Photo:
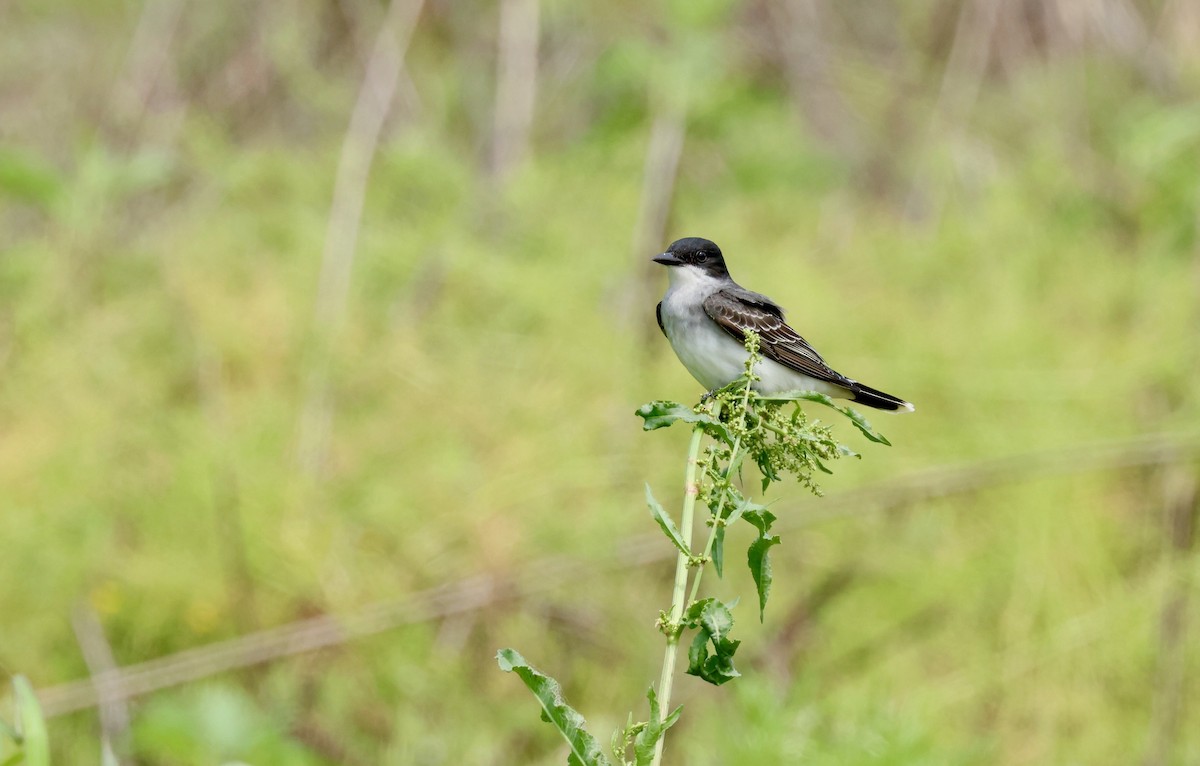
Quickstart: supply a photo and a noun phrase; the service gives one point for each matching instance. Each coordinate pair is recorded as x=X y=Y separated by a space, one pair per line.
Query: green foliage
x=27 y=178
x=584 y=750
x=666 y=524
x=28 y=732
x=780 y=441
x=853 y=415
x=741 y=422
x=661 y=414
x=712 y=621
x=760 y=568
x=215 y=723
x=643 y=736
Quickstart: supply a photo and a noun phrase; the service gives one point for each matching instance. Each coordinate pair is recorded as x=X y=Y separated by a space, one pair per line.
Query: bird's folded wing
x=737 y=313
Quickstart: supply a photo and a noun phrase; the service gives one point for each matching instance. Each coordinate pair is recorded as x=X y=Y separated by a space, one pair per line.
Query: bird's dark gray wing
x=737 y=310
x=658 y=316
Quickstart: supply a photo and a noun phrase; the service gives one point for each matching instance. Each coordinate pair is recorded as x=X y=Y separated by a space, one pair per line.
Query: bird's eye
x=701 y=257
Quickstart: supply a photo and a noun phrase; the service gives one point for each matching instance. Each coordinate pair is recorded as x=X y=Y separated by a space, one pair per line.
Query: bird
x=705 y=316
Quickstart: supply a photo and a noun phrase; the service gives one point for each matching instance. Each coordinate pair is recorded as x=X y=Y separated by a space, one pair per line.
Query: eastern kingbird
x=705 y=316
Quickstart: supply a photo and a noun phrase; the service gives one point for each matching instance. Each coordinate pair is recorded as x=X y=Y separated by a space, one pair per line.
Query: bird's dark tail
x=878 y=399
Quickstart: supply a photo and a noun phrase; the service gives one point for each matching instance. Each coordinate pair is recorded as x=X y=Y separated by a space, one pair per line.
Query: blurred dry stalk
x=993 y=39
x=144 y=109
x=1182 y=511
x=965 y=70
x=240 y=588
x=359 y=23
x=147 y=74
x=1180 y=24
x=660 y=170
x=516 y=84
x=345 y=215
x=482 y=590
x=98 y=655
x=798 y=27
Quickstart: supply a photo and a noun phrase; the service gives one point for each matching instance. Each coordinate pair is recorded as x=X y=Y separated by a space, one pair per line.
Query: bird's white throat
x=692 y=279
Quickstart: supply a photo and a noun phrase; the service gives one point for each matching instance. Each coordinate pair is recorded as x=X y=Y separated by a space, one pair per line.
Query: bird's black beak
x=666 y=259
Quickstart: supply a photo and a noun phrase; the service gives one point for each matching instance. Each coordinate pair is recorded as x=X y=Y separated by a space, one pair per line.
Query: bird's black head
x=700 y=254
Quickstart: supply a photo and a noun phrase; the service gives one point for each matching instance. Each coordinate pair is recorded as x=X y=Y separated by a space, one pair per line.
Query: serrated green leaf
x=719 y=667
x=716 y=668
x=766 y=469
x=585 y=751
x=643 y=743
x=691 y=616
x=661 y=413
x=740 y=508
x=718 y=550
x=653 y=731
x=760 y=569
x=760 y=518
x=673 y=717
x=713 y=621
x=666 y=524
x=730 y=510
x=862 y=425
x=697 y=653
x=716 y=619
x=34 y=739
x=620 y=740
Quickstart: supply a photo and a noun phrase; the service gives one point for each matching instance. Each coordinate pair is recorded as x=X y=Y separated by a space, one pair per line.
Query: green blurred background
x=232 y=400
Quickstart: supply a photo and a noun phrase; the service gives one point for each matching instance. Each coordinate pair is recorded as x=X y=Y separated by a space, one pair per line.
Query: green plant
x=739 y=423
x=27 y=733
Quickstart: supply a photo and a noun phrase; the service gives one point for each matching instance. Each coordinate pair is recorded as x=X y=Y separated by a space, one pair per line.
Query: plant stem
x=691 y=488
x=734 y=461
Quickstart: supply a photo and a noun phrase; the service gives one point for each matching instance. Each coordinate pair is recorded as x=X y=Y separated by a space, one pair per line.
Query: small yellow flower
x=202 y=616
x=106 y=598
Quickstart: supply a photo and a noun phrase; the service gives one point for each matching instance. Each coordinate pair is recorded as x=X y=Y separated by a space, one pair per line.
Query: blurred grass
x=1026 y=272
